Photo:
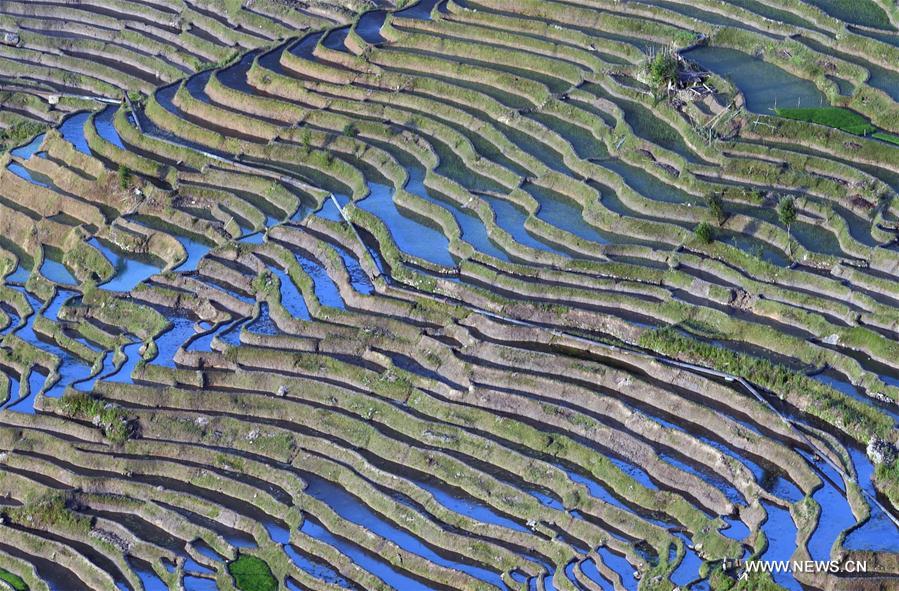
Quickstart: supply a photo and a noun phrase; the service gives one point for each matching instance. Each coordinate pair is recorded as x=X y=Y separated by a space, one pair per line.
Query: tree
x=705 y=232
x=124 y=176
x=786 y=211
x=716 y=209
x=662 y=69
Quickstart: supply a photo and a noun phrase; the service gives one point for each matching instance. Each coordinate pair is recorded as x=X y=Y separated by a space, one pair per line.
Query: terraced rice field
x=525 y=295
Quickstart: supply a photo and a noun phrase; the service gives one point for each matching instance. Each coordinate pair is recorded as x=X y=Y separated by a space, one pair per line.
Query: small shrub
x=716 y=209
x=662 y=69
x=705 y=233
x=684 y=38
x=307 y=141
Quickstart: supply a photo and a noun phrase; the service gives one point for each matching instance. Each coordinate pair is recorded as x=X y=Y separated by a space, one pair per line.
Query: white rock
x=880 y=451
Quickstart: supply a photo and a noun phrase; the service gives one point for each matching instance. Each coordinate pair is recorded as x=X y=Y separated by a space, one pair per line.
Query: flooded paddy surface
x=765 y=86
x=781 y=535
x=326 y=291
x=355 y=511
x=104 y=123
x=209 y=360
x=376 y=566
x=884 y=79
x=412 y=234
x=369 y=26
x=72 y=130
x=129 y=272
x=878 y=533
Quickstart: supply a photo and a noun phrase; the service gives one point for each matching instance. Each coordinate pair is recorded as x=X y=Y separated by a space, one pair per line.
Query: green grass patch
x=17 y=134
x=836 y=117
x=887 y=478
x=252 y=574
x=111 y=419
x=856 y=418
x=14 y=580
x=887 y=137
x=51 y=511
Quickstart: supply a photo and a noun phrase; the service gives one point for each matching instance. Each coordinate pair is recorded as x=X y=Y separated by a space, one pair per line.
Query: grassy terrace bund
x=448 y=295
